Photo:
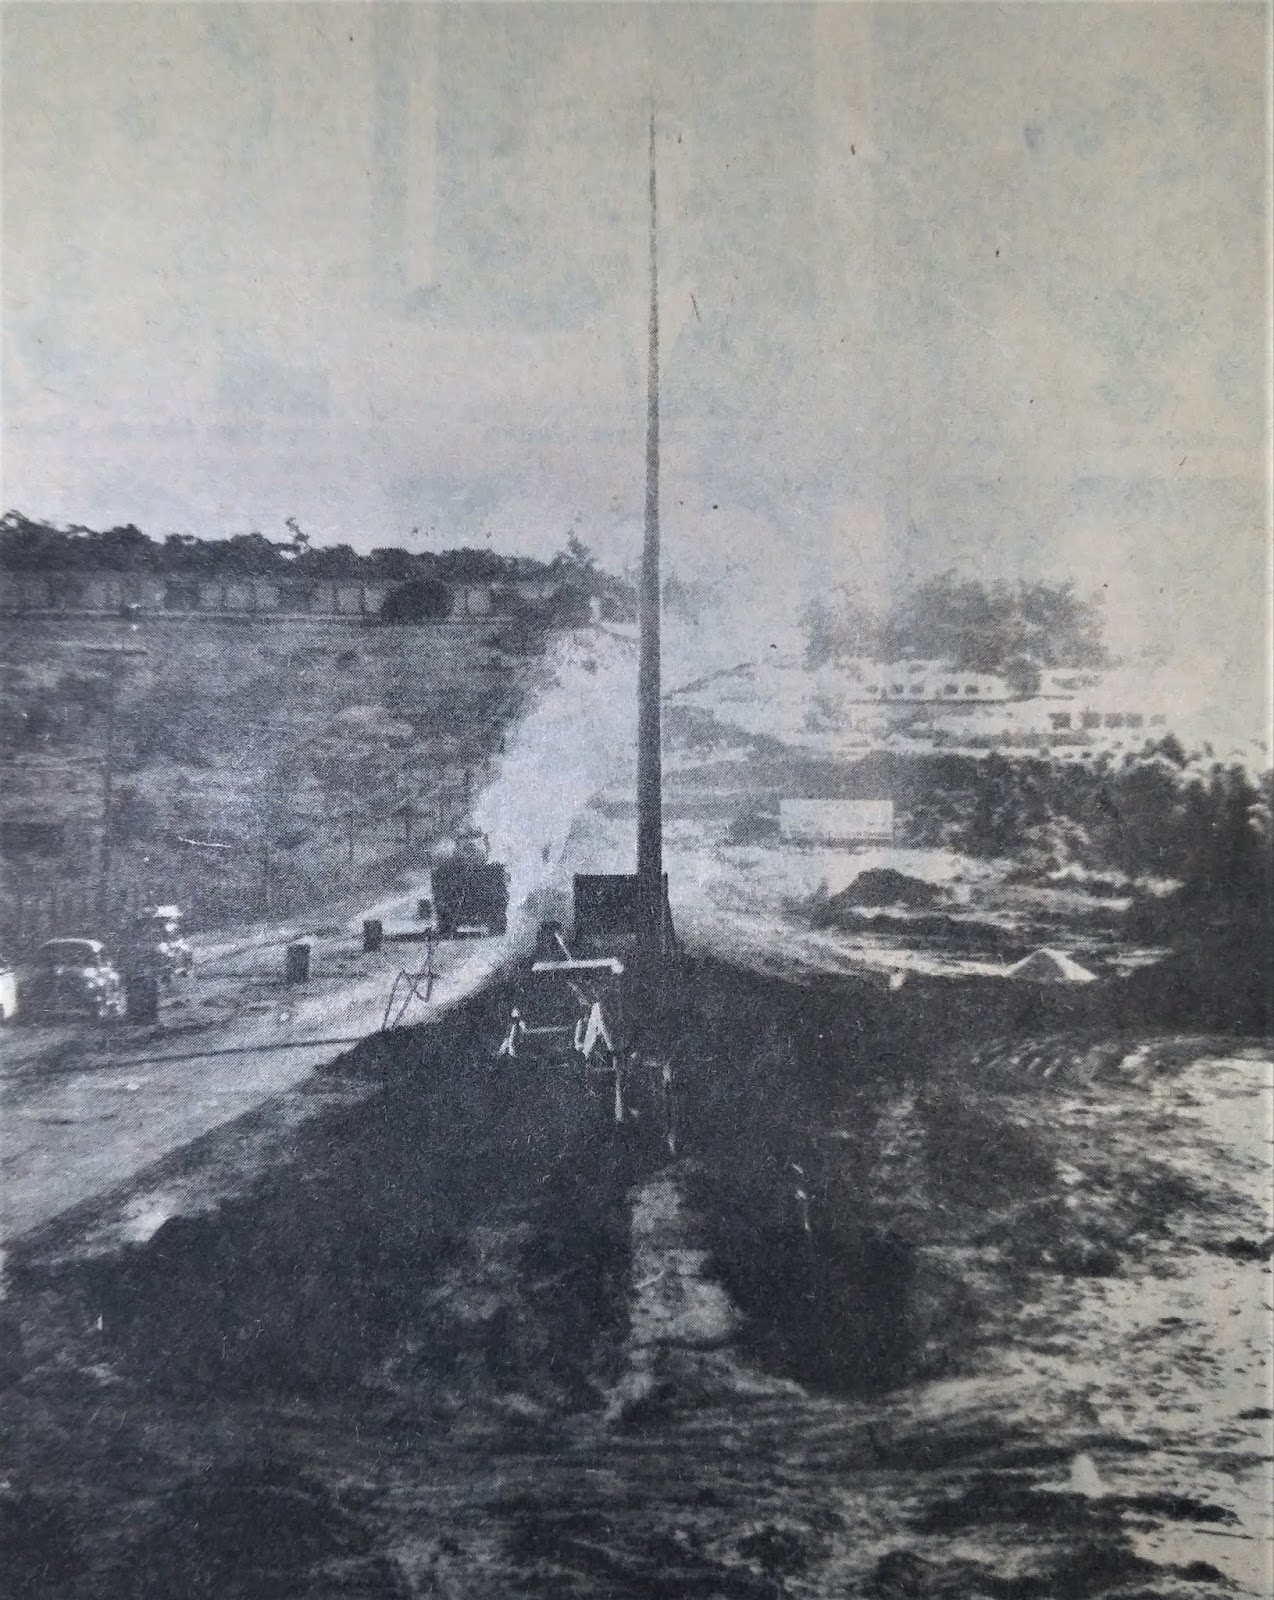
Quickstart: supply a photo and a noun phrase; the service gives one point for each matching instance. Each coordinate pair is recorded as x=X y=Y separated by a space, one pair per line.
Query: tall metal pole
x=649 y=753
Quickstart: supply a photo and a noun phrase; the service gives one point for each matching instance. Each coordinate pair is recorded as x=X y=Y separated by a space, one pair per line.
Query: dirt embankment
x=259 y=770
x=903 y=1317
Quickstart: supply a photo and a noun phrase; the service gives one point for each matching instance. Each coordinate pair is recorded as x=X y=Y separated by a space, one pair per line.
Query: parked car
x=8 y=990
x=73 y=978
x=155 y=945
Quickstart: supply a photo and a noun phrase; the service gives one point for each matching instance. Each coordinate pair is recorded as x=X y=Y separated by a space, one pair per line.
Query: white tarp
x=1049 y=966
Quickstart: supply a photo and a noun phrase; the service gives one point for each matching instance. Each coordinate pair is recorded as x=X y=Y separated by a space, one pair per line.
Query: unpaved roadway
x=85 y=1107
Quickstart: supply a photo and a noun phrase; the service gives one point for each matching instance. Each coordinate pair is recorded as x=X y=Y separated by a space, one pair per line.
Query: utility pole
x=650 y=876
x=115 y=656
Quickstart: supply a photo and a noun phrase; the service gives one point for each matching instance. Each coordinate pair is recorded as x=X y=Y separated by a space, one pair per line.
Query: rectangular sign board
x=837 y=821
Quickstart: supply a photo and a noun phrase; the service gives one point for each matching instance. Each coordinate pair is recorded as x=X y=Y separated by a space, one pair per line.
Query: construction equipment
x=570 y=1012
x=470 y=891
x=597 y=1002
x=611 y=916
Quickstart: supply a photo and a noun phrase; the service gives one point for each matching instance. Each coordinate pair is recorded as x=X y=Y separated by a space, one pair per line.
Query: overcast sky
x=968 y=284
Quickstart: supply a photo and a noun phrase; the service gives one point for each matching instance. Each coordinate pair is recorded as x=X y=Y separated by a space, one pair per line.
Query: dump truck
x=470 y=891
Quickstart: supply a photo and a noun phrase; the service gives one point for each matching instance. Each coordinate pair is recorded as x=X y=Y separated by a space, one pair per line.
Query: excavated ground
x=939 y=1294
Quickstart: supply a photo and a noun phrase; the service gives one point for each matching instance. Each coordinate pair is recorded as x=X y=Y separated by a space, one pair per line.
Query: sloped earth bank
x=931 y=1300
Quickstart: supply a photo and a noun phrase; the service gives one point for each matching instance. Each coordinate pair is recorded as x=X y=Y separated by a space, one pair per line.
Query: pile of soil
x=875 y=886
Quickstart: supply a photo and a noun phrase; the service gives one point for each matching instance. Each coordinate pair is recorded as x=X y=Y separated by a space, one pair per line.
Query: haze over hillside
x=971 y=285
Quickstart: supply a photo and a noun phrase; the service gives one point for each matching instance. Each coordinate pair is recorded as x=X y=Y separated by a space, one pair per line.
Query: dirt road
x=84 y=1106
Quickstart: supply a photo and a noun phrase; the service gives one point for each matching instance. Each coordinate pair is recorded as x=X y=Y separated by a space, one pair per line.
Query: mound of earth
x=878 y=886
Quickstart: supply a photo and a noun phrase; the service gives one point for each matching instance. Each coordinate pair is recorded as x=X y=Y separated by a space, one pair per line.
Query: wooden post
x=108 y=776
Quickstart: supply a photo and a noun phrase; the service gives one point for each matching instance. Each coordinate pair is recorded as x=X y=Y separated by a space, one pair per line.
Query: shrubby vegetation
x=1013 y=628
x=1160 y=818
x=258 y=775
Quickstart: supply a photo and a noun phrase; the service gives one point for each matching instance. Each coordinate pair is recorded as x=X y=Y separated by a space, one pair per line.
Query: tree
x=300 y=541
x=253 y=555
x=29 y=546
x=1022 y=675
x=420 y=600
x=396 y=565
x=575 y=561
x=1147 y=799
x=839 y=627
x=1016 y=629
x=1009 y=802
x=123 y=549
x=330 y=561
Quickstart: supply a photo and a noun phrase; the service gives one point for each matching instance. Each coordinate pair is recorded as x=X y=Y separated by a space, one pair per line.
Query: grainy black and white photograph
x=635 y=824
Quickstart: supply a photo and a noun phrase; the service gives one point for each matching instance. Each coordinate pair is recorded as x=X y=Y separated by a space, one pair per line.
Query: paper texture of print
x=635 y=840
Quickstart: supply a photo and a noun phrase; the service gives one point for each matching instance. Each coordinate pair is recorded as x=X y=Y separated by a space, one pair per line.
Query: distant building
x=242 y=594
x=920 y=682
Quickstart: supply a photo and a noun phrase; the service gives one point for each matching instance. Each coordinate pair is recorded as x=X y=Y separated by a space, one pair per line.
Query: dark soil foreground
x=951 y=1292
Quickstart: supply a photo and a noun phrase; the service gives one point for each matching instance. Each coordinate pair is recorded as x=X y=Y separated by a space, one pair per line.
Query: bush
x=420 y=600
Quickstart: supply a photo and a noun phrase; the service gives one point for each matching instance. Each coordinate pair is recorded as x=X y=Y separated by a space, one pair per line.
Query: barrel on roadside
x=297 y=962
x=373 y=933
x=141 y=997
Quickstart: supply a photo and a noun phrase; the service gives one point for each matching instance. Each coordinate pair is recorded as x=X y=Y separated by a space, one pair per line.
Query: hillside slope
x=317 y=757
